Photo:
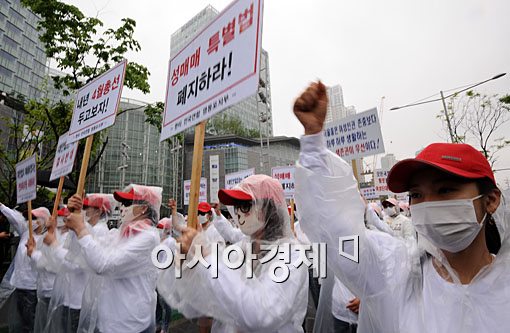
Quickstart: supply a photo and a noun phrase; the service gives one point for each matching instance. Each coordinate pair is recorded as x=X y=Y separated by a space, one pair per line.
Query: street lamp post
x=443 y=98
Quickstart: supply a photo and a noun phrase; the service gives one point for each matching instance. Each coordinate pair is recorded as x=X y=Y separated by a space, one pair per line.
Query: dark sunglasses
x=244 y=207
x=133 y=202
x=202 y=213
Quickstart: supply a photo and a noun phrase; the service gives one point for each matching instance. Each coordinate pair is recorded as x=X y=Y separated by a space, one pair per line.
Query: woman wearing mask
x=238 y=303
x=122 y=295
x=24 y=275
x=457 y=280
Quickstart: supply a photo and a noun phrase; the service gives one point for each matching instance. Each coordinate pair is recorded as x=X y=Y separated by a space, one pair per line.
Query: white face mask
x=450 y=225
x=203 y=219
x=127 y=214
x=249 y=223
x=390 y=211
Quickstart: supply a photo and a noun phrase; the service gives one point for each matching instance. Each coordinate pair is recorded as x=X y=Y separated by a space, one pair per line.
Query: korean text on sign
x=355 y=136
x=26 y=180
x=217 y=69
x=233 y=179
x=96 y=103
x=64 y=157
x=285 y=175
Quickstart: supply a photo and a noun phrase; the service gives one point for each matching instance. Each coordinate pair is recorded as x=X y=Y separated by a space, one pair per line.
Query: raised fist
x=311 y=107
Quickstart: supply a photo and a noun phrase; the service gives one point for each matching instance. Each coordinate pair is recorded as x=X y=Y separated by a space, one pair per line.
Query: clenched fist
x=311 y=107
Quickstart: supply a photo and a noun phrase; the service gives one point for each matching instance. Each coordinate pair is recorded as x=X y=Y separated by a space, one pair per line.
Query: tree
x=82 y=50
x=223 y=124
x=475 y=118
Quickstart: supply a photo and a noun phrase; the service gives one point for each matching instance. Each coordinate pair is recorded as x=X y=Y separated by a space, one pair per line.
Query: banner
x=26 y=180
x=203 y=191
x=369 y=193
x=285 y=175
x=217 y=69
x=214 y=181
x=233 y=179
x=64 y=157
x=96 y=103
x=355 y=136
x=381 y=187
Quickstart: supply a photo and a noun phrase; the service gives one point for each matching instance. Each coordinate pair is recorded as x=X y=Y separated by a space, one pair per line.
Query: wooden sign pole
x=30 y=231
x=84 y=165
x=55 y=204
x=292 y=214
x=196 y=172
x=355 y=171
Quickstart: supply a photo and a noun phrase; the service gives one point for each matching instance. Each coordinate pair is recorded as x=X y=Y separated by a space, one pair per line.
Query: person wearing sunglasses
x=126 y=298
x=456 y=280
x=245 y=299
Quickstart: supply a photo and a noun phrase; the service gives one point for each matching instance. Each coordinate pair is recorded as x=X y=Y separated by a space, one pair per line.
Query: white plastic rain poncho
x=103 y=203
x=399 y=289
x=22 y=275
x=121 y=296
x=237 y=303
x=65 y=258
x=73 y=273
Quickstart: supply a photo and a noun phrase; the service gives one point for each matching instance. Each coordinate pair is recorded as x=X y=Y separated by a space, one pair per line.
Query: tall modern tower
x=22 y=56
x=255 y=111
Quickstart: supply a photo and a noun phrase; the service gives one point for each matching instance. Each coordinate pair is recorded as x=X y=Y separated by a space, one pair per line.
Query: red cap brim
x=123 y=196
x=400 y=175
x=230 y=197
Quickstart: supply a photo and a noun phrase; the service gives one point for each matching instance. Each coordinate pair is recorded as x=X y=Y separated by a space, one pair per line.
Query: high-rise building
x=22 y=55
x=337 y=111
x=388 y=161
x=237 y=153
x=254 y=112
x=133 y=154
x=336 y=107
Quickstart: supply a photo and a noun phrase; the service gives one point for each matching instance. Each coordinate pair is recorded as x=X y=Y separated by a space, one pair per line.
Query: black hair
x=273 y=228
x=492 y=236
x=150 y=213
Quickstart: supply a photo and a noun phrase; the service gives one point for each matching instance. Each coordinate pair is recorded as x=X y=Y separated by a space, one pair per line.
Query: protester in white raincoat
x=124 y=300
x=46 y=271
x=24 y=275
x=66 y=258
x=235 y=302
x=373 y=220
x=205 y=219
x=453 y=283
x=401 y=225
x=98 y=209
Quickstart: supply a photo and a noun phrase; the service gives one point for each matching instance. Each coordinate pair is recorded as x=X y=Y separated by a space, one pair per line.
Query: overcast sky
x=405 y=50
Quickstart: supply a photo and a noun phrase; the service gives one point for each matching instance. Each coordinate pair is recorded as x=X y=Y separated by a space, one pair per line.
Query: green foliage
x=81 y=49
x=223 y=124
x=475 y=118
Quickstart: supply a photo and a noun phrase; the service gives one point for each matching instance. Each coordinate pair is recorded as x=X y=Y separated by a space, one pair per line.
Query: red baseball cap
x=63 y=212
x=97 y=201
x=204 y=207
x=231 y=197
x=459 y=159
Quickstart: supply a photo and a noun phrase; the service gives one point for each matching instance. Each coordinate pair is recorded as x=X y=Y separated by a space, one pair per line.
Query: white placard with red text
x=203 y=191
x=217 y=69
x=285 y=175
x=355 y=136
x=26 y=180
x=96 y=103
x=381 y=187
x=234 y=178
x=64 y=157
